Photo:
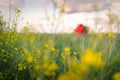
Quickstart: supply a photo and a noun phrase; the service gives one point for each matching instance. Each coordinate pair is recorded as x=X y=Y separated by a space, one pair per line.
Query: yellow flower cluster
x=21 y=67
x=116 y=76
x=25 y=51
x=69 y=76
x=53 y=49
x=67 y=50
x=53 y=67
x=36 y=67
x=111 y=35
x=77 y=67
x=91 y=58
x=29 y=58
x=50 y=68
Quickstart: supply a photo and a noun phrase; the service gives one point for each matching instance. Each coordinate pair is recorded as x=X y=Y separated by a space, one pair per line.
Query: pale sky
x=81 y=12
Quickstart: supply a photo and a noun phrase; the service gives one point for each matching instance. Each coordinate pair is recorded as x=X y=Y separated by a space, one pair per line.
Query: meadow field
x=40 y=56
x=34 y=56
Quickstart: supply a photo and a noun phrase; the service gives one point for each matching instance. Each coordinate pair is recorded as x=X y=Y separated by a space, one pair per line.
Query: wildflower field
x=32 y=56
x=35 y=56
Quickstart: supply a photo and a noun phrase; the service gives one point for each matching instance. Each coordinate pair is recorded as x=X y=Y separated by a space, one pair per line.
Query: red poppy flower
x=80 y=29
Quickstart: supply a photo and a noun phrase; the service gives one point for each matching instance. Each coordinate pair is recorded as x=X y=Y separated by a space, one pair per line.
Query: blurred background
x=62 y=16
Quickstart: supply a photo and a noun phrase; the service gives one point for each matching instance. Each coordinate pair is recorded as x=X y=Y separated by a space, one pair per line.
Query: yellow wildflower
x=83 y=68
x=25 y=51
x=38 y=78
x=37 y=67
x=63 y=77
x=77 y=67
x=46 y=45
x=52 y=67
x=69 y=76
x=116 y=76
x=16 y=49
x=63 y=56
x=29 y=58
x=91 y=58
x=21 y=67
x=31 y=40
x=100 y=35
x=67 y=50
x=45 y=65
x=47 y=73
x=53 y=49
x=111 y=35
x=45 y=60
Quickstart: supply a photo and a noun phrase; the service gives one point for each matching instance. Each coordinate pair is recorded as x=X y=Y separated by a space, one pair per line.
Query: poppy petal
x=80 y=29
